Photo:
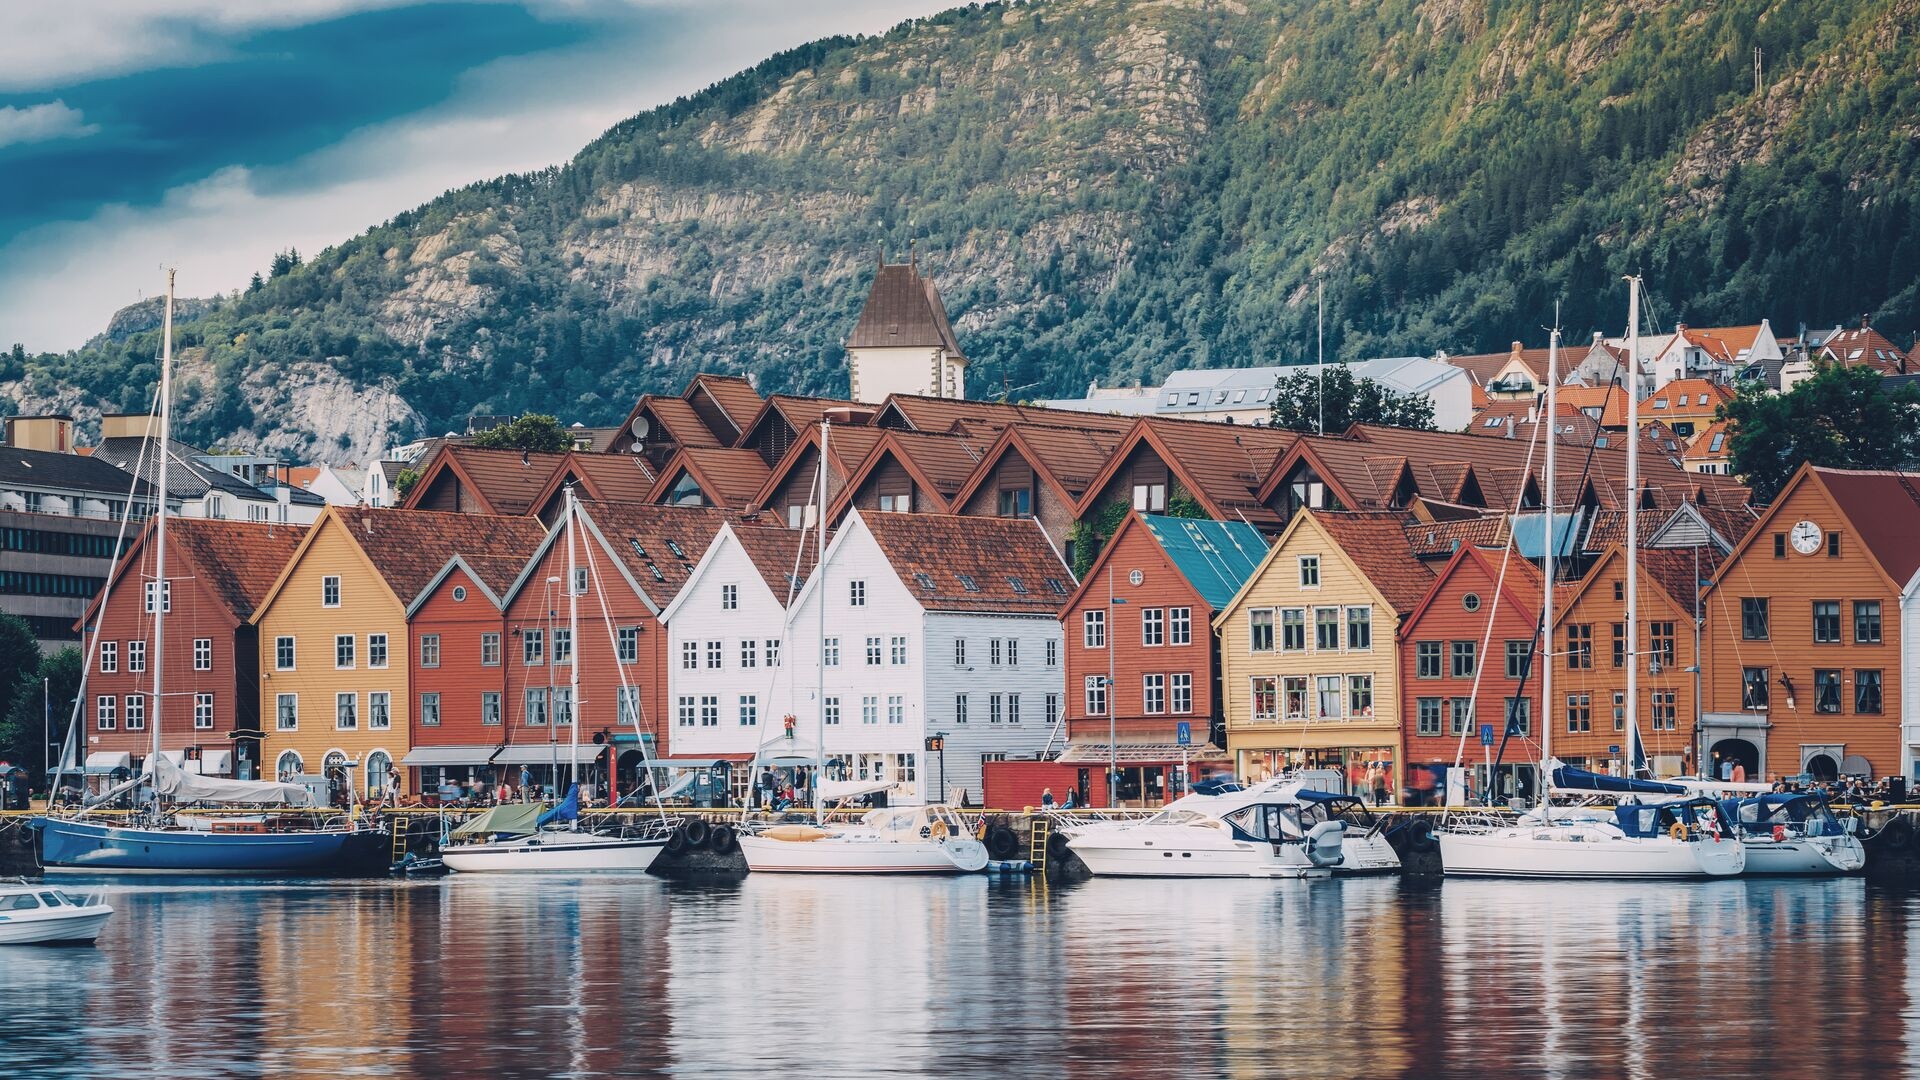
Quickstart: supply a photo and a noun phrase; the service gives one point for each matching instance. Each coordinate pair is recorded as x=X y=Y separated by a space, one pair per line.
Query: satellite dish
x=641 y=426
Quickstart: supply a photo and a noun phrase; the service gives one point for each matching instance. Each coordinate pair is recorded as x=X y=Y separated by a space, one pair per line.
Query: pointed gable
x=723 y=478
x=903 y=310
x=1004 y=565
x=469 y=480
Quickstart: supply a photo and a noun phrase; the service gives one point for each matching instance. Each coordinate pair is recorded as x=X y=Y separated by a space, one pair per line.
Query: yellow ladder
x=399 y=838
x=1040 y=832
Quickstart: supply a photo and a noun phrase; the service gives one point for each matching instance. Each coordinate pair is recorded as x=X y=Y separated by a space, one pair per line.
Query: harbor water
x=772 y=977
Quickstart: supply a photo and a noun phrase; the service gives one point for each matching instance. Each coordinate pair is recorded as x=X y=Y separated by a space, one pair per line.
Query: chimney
x=129 y=426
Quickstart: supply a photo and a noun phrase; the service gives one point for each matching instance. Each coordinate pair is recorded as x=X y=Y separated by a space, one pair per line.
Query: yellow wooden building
x=1308 y=660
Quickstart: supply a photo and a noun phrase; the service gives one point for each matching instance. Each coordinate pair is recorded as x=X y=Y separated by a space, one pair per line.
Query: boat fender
x=1678 y=831
x=939 y=830
x=720 y=838
x=1002 y=844
x=1420 y=836
x=677 y=841
x=696 y=830
x=1779 y=833
x=1057 y=848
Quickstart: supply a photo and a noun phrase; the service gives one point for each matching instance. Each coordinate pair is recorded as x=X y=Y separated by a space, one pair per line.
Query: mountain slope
x=1110 y=190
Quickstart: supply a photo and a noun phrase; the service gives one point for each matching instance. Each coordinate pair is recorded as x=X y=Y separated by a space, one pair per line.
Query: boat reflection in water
x=778 y=975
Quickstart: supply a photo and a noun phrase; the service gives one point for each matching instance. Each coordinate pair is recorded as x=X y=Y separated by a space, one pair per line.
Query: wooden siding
x=460 y=678
x=1013 y=472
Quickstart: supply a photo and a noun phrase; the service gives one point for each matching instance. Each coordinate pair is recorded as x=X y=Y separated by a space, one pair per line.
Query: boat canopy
x=171 y=780
x=547 y=754
x=516 y=819
x=1642 y=820
x=836 y=790
x=567 y=810
x=1761 y=813
x=1567 y=778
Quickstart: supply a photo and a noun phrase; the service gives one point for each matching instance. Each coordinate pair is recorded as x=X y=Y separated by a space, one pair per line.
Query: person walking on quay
x=1377 y=777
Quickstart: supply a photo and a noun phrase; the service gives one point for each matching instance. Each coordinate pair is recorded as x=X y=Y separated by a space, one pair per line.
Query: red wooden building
x=459 y=672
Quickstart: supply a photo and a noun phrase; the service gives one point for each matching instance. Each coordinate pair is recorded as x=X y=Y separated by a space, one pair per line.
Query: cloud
x=39 y=123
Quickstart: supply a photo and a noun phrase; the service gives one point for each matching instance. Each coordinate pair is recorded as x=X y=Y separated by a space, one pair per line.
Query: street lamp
x=1113 y=695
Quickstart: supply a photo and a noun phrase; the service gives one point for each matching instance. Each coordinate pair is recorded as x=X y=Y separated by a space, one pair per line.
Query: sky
x=209 y=134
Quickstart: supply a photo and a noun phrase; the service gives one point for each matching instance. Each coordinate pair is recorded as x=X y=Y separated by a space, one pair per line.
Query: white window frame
x=330 y=588
x=203 y=654
x=344 y=645
x=349 y=719
x=203 y=711
x=286 y=712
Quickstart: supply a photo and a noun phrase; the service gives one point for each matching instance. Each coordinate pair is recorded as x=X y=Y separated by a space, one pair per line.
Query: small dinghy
x=39 y=915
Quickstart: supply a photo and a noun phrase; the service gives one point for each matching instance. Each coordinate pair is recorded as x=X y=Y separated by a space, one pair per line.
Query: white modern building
x=1245 y=395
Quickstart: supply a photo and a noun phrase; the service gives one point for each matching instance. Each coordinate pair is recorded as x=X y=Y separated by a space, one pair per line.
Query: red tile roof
x=409 y=547
x=728 y=477
x=777 y=552
x=240 y=559
x=1865 y=347
x=1884 y=509
x=1440 y=539
x=1008 y=562
x=733 y=393
x=508 y=481
x=1377 y=544
x=610 y=477
x=660 y=545
x=1222 y=465
x=921 y=413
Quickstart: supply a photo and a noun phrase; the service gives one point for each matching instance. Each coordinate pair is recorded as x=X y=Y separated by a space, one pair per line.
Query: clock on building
x=1805 y=537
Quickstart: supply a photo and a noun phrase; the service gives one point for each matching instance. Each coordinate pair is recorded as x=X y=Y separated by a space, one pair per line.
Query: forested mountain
x=1107 y=190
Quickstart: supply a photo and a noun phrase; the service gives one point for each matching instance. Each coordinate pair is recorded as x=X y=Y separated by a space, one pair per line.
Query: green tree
x=403 y=482
x=19 y=658
x=50 y=688
x=1303 y=403
x=1845 y=418
x=534 y=431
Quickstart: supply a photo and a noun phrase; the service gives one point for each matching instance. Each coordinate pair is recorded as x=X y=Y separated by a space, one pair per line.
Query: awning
x=432 y=756
x=686 y=763
x=836 y=790
x=178 y=757
x=628 y=738
x=101 y=762
x=211 y=763
x=543 y=754
x=1095 y=753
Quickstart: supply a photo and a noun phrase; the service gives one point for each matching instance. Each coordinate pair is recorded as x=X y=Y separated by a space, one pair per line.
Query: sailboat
x=929 y=839
x=525 y=838
x=163 y=841
x=1679 y=838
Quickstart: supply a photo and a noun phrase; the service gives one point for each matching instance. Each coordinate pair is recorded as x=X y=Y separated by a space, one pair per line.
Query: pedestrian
x=1046 y=799
x=1377 y=776
x=1069 y=804
x=1739 y=772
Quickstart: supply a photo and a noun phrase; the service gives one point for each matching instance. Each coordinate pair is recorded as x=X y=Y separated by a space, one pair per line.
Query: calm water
x=777 y=977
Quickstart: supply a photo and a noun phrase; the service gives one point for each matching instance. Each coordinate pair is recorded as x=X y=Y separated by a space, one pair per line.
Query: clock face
x=1805 y=537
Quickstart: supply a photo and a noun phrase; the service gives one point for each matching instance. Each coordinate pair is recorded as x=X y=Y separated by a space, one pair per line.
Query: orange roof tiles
x=733 y=393
x=240 y=559
x=728 y=477
x=1439 y=539
x=934 y=414
x=507 y=481
x=1884 y=508
x=409 y=547
x=659 y=546
x=974 y=563
x=1377 y=544
x=783 y=556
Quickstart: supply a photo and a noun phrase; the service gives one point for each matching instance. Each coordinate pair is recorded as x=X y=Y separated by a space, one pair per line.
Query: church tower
x=903 y=343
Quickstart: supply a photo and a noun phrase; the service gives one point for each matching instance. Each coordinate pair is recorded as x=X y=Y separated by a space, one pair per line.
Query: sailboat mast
x=820 y=610
x=1547 y=573
x=1633 y=524
x=160 y=526
x=573 y=648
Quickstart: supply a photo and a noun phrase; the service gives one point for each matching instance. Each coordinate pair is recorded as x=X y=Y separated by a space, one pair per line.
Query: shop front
x=1366 y=772
x=1147 y=774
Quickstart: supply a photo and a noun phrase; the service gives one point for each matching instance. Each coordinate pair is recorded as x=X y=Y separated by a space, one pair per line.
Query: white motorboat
x=1363 y=846
x=37 y=915
x=1682 y=838
x=894 y=840
x=522 y=837
x=1793 y=833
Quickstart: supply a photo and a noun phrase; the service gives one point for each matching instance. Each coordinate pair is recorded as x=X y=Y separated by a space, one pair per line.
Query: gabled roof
x=729 y=478
x=1521 y=591
x=1483 y=367
x=847 y=447
x=674 y=418
x=917 y=412
x=1684 y=396
x=733 y=395
x=1220 y=465
x=503 y=481
x=938 y=464
x=656 y=547
x=1671 y=571
x=1066 y=459
x=903 y=310
x=797 y=412
x=1216 y=557
x=1441 y=539
x=408 y=549
x=599 y=478
x=239 y=560
x=492 y=574
x=1376 y=543
x=1884 y=509
x=784 y=557
x=80 y=473
x=973 y=564
x=1864 y=347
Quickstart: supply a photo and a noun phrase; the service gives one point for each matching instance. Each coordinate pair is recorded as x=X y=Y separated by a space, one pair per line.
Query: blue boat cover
x=1324 y=796
x=567 y=810
x=1760 y=813
x=1219 y=786
x=1572 y=779
x=1652 y=819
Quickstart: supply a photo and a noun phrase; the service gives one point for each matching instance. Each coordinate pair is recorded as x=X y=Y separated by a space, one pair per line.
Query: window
x=1053 y=709
x=1518 y=652
x=1866 y=622
x=626 y=644
x=1660 y=636
x=490 y=708
x=684 y=711
x=330 y=591
x=535 y=705
x=873 y=651
x=1153 y=627
x=896 y=504
x=830 y=652
x=1460 y=716
x=1013 y=708
x=993 y=708
x=903 y=767
x=1753 y=688
x=729 y=598
x=716 y=655
x=1579 y=713
x=1619 y=710
x=1826 y=621
x=1619 y=590
x=959 y=708
x=1266 y=698
x=1359 y=696
x=1866 y=692
x=1180 y=626
x=1309 y=571
x=749 y=710
x=1519 y=714
x=136 y=656
x=1665 y=711
x=1426 y=659
x=773 y=652
x=1151 y=498
x=203 y=712
x=346 y=712
x=1093 y=629
x=897 y=650
x=1293 y=629
x=106 y=712
x=1096 y=691
x=856 y=594
x=490 y=650
x=1359 y=628
x=533 y=647
x=959 y=652
x=1013 y=652
x=1463 y=658
x=376 y=650
x=1619 y=645
x=562 y=697
x=1015 y=502
x=379 y=710
x=1053 y=653
x=1833 y=545
x=1153 y=694
x=627 y=707
x=830 y=711
x=1427 y=711
x=1580 y=646
x=286 y=712
x=1826 y=690
x=1260 y=630
x=1293 y=697
x=1779 y=545
x=1326 y=629
x=110 y=655
x=689 y=656
x=343 y=651
x=1329 y=692
x=562 y=645
x=288 y=765
x=750 y=652
x=1753 y=618
x=203 y=653
x=710 y=710
x=1182 y=682
x=429 y=650
x=869 y=709
x=429 y=710
x=166 y=597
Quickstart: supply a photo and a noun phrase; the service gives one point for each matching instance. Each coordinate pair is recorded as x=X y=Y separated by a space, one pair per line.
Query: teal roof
x=1529 y=534
x=1216 y=557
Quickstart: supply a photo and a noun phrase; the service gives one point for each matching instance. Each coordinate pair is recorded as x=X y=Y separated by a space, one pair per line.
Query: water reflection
x=771 y=977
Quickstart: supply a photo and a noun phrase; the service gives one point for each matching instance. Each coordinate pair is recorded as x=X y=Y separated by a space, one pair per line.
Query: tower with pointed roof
x=903 y=343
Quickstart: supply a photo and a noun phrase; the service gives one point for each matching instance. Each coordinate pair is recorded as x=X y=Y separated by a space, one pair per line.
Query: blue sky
x=208 y=134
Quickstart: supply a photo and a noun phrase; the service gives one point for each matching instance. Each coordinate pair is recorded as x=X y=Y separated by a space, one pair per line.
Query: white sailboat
x=1278 y=829
x=928 y=839
x=1682 y=838
x=520 y=839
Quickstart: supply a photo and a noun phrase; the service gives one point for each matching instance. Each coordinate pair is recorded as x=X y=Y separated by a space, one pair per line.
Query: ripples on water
x=775 y=977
